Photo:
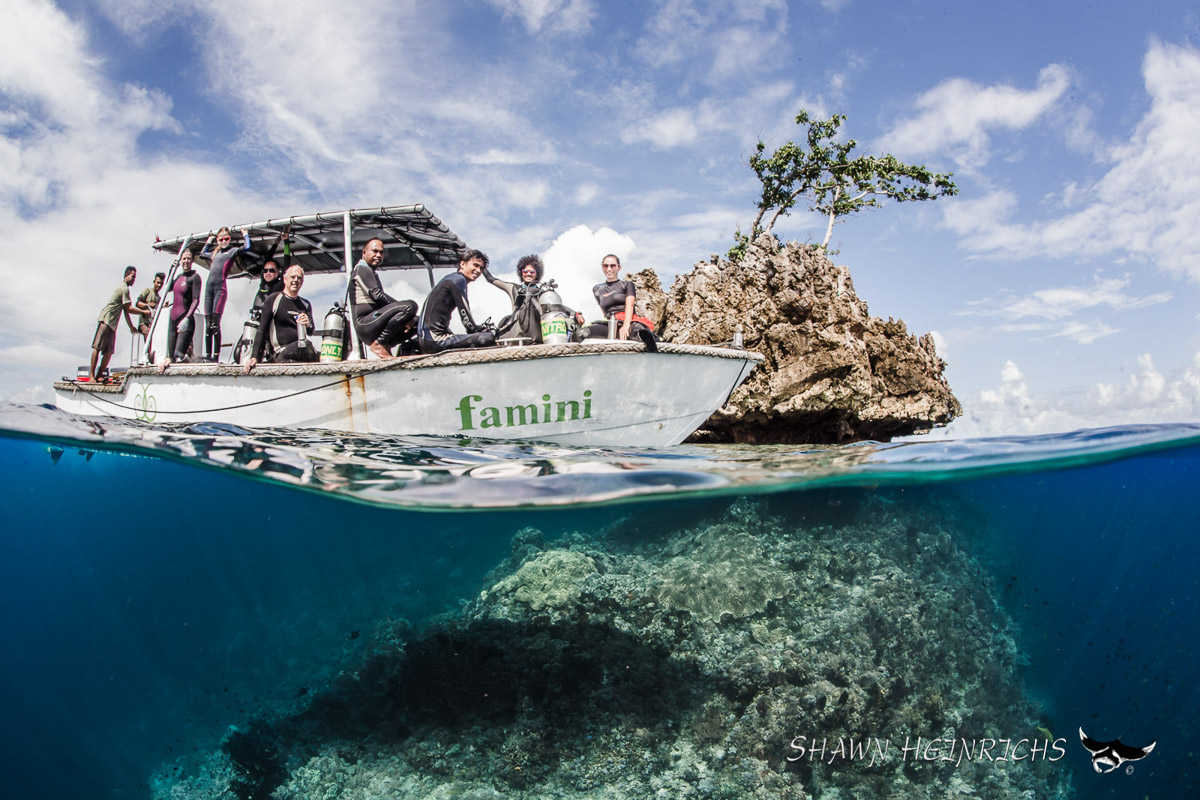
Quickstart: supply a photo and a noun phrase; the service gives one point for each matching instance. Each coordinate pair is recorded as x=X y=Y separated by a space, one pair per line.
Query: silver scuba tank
x=554 y=319
x=249 y=331
x=333 y=335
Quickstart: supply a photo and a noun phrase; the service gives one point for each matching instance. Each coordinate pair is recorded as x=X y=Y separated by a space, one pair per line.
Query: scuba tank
x=555 y=316
x=241 y=350
x=333 y=335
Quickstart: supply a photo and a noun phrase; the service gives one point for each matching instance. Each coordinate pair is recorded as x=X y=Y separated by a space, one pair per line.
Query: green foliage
x=832 y=182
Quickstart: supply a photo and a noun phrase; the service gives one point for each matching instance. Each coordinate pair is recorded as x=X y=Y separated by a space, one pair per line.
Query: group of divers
x=387 y=326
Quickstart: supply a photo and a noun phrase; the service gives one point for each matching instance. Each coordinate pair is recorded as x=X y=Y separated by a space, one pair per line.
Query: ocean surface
x=209 y=611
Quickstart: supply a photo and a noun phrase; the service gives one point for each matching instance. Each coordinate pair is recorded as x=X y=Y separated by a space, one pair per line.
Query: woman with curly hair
x=525 y=321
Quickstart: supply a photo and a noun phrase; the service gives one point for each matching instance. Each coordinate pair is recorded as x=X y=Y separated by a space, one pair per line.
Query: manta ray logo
x=1107 y=756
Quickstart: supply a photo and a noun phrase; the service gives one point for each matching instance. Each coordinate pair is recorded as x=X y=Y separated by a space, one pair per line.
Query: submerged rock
x=643 y=663
x=833 y=373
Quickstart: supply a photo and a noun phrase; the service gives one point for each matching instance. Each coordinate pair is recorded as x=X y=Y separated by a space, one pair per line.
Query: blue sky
x=1061 y=284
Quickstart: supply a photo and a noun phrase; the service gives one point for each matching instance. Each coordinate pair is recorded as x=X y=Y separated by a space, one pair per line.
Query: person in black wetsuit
x=278 y=334
x=450 y=294
x=381 y=321
x=185 y=299
x=616 y=298
x=270 y=281
x=270 y=273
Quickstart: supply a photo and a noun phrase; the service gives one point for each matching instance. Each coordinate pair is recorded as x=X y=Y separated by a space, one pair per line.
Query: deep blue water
x=152 y=598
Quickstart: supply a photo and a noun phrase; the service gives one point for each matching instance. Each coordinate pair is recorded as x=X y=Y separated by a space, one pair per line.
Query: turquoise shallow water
x=161 y=585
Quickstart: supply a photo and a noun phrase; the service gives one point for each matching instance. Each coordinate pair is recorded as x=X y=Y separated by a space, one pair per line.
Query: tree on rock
x=833 y=183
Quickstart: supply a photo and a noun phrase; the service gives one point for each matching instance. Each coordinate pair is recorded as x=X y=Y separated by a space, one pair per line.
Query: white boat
x=597 y=393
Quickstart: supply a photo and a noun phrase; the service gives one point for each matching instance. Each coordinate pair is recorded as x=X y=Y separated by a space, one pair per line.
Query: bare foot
x=163 y=366
x=380 y=350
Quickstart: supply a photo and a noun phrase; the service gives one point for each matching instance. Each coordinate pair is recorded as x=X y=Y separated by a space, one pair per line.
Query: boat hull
x=602 y=394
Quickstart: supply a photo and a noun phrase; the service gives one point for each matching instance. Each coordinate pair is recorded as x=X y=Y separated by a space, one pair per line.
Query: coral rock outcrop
x=833 y=373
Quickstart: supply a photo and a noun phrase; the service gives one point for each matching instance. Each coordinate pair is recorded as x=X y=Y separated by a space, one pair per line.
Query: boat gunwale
x=450 y=358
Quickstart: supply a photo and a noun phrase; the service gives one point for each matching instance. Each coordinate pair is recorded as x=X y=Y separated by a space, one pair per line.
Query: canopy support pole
x=348 y=260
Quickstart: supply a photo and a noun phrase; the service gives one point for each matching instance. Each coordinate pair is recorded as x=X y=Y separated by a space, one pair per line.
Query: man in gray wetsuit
x=380 y=320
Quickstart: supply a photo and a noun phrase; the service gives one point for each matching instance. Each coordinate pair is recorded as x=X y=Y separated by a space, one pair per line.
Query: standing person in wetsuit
x=270 y=274
x=270 y=281
x=278 y=327
x=185 y=299
x=450 y=294
x=221 y=262
x=105 y=340
x=381 y=321
x=616 y=298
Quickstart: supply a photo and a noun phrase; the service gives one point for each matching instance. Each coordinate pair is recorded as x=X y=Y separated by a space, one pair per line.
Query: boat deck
x=448 y=358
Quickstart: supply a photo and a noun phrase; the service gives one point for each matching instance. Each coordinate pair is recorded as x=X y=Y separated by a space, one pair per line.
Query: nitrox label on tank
x=476 y=415
x=554 y=327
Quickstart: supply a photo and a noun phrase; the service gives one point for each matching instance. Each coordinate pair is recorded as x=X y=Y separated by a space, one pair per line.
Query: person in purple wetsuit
x=185 y=299
x=221 y=261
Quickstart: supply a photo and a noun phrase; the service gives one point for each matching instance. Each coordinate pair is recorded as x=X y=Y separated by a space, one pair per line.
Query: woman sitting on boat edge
x=616 y=299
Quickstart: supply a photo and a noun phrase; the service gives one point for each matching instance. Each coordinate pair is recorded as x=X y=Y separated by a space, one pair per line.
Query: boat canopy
x=413 y=238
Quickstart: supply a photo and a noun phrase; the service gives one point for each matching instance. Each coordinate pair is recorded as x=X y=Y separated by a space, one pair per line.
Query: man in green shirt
x=105 y=340
x=148 y=300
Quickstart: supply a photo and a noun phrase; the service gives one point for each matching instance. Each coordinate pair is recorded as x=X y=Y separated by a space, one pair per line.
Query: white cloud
x=1146 y=396
x=741 y=35
x=1084 y=332
x=549 y=16
x=1052 y=312
x=78 y=200
x=573 y=260
x=671 y=128
x=1064 y=301
x=1145 y=206
x=957 y=115
x=585 y=193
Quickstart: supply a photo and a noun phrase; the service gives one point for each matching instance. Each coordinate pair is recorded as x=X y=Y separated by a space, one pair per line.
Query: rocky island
x=833 y=372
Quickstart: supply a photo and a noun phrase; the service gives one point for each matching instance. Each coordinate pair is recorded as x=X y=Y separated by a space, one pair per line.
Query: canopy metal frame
x=329 y=243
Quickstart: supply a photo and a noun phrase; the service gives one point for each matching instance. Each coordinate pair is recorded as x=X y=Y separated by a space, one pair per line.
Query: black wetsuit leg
x=599 y=330
x=457 y=341
x=297 y=353
x=178 y=342
x=387 y=325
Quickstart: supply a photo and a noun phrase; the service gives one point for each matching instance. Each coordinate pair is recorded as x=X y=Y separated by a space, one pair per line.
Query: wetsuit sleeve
x=510 y=289
x=458 y=290
x=311 y=327
x=197 y=290
x=370 y=279
x=264 y=324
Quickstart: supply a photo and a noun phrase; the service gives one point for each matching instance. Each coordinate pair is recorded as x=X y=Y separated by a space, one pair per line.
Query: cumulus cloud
x=78 y=200
x=958 y=115
x=1146 y=204
x=573 y=260
x=1146 y=396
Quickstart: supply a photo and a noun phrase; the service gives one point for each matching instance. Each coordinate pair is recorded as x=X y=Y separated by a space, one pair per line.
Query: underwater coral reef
x=706 y=659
